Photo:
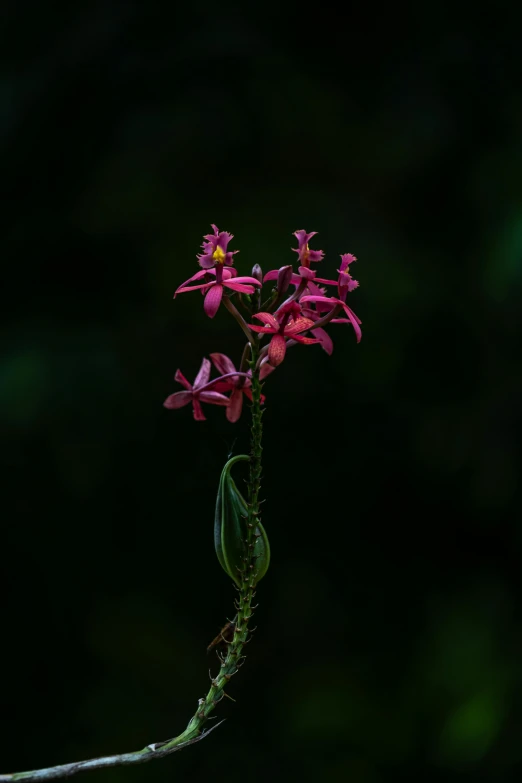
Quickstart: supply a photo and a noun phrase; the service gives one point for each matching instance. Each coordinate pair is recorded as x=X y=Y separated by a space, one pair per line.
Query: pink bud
x=284 y=278
x=257 y=272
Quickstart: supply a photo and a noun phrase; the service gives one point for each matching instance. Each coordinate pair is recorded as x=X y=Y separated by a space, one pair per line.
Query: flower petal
x=346 y=320
x=213 y=398
x=268 y=319
x=354 y=322
x=303 y=238
x=185 y=289
x=299 y=325
x=304 y=271
x=330 y=300
x=272 y=275
x=223 y=386
x=246 y=279
x=235 y=286
x=206 y=260
x=198 y=410
x=262 y=329
x=305 y=340
x=315 y=255
x=276 y=350
x=222 y=363
x=229 y=258
x=180 y=378
x=236 y=406
x=325 y=340
x=213 y=300
x=346 y=260
x=265 y=370
x=203 y=374
x=323 y=280
x=177 y=400
x=197 y=276
x=223 y=238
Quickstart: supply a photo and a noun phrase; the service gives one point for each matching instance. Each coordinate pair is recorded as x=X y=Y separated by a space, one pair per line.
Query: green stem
x=156 y=750
x=234 y=657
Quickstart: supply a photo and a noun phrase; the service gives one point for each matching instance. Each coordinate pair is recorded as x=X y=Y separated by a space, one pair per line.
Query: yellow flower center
x=219 y=256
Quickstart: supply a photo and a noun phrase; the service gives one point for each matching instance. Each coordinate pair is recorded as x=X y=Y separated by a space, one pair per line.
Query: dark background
x=389 y=629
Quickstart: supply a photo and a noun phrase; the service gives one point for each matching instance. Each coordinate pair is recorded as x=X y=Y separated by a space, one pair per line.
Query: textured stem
x=234 y=657
x=155 y=750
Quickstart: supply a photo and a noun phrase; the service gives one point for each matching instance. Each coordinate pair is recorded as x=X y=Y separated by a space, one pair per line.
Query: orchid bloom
x=196 y=393
x=306 y=256
x=291 y=325
x=215 y=249
x=214 y=259
x=346 y=283
x=213 y=289
x=237 y=384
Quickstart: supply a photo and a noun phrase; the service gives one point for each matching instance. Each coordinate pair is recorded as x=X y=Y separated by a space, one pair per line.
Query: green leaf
x=230 y=528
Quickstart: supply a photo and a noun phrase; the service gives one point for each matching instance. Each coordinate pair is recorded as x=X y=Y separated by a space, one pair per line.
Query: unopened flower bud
x=284 y=278
x=257 y=272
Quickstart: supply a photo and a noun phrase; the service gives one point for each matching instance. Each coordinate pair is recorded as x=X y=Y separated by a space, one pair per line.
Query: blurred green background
x=389 y=628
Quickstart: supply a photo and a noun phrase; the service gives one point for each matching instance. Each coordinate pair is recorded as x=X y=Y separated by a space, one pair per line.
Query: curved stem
x=221 y=378
x=297 y=293
x=234 y=657
x=155 y=750
x=326 y=318
x=239 y=318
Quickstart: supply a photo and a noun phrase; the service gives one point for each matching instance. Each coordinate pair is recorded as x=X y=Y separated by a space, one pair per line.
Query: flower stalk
x=304 y=312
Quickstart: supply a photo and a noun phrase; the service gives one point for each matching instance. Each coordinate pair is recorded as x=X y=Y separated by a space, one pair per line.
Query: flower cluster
x=299 y=318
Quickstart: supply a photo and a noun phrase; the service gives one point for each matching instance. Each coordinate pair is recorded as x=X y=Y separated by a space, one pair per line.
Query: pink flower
x=291 y=325
x=237 y=384
x=346 y=283
x=306 y=256
x=196 y=393
x=215 y=249
x=213 y=289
